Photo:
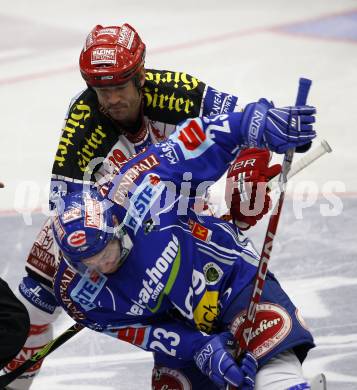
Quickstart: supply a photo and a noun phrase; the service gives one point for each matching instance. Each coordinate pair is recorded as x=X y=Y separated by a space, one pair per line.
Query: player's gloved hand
x=247 y=195
x=214 y=360
x=278 y=128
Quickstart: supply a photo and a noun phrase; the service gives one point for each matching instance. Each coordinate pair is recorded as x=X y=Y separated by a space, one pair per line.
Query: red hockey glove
x=247 y=195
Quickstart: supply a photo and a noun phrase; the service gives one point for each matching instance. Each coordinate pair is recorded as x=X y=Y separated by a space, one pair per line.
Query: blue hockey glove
x=279 y=129
x=217 y=363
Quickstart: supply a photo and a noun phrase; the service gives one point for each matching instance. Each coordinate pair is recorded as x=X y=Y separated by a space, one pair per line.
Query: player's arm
x=215 y=102
x=70 y=171
x=206 y=146
x=210 y=352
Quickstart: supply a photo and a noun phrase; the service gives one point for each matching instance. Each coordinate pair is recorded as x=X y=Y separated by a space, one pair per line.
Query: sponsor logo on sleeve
x=172 y=96
x=133 y=174
x=37 y=295
x=272 y=325
x=41 y=258
x=168 y=151
x=65 y=281
x=191 y=138
x=134 y=335
x=75 y=123
x=199 y=231
x=216 y=102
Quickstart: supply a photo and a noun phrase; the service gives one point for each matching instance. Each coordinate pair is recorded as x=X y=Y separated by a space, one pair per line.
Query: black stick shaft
x=45 y=351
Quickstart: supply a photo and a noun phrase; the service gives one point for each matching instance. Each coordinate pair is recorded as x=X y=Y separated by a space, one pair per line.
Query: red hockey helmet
x=111 y=55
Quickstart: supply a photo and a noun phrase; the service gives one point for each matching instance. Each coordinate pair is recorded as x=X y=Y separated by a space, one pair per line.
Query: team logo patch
x=103 y=56
x=272 y=325
x=213 y=273
x=168 y=378
x=77 y=238
x=199 y=231
x=71 y=215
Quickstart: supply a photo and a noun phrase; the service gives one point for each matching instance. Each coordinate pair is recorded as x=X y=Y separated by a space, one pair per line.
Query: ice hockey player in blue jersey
x=124 y=108
x=142 y=266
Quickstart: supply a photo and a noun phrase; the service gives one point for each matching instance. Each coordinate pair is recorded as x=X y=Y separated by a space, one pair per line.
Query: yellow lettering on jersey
x=77 y=116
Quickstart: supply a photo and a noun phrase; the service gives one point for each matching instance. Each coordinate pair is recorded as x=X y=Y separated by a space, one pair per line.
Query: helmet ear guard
x=111 y=55
x=84 y=225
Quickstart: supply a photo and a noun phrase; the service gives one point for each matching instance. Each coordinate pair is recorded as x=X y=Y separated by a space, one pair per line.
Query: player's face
x=122 y=102
x=107 y=261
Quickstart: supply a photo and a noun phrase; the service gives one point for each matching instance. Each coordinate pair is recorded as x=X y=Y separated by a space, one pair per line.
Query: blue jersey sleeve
x=217 y=102
x=169 y=337
x=201 y=149
x=199 y=152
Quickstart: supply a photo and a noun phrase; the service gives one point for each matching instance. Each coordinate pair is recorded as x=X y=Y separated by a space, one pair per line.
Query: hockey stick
x=243 y=337
x=310 y=157
x=45 y=351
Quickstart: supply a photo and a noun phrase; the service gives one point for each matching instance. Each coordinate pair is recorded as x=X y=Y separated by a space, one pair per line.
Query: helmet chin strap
x=125 y=243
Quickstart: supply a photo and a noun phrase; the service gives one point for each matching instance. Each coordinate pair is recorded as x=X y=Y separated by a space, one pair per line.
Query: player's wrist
x=253 y=124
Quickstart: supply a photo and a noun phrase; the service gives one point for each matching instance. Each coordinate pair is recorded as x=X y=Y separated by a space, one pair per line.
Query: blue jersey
x=184 y=271
x=180 y=262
